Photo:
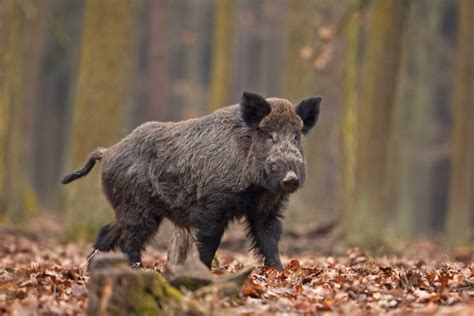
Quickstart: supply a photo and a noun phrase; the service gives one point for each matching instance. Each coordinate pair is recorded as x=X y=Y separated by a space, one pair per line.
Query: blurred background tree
x=102 y=101
x=461 y=185
x=21 y=48
x=376 y=166
x=391 y=158
x=222 y=53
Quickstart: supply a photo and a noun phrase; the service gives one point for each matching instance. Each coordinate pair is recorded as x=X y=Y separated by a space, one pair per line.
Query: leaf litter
x=40 y=276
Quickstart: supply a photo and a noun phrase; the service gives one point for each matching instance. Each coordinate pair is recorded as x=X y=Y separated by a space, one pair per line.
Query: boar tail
x=93 y=157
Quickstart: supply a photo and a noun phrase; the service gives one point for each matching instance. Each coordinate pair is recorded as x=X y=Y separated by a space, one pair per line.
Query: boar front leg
x=266 y=235
x=209 y=234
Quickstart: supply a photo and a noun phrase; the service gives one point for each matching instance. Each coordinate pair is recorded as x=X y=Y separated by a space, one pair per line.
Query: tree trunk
x=372 y=205
x=245 y=76
x=271 y=38
x=418 y=107
x=315 y=203
x=461 y=183
x=197 y=71
x=349 y=126
x=298 y=74
x=187 y=71
x=221 y=71
x=102 y=95
x=21 y=24
x=298 y=80
x=53 y=102
x=157 y=58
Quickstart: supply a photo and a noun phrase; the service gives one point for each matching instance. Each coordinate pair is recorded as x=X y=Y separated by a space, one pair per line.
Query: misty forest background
x=391 y=158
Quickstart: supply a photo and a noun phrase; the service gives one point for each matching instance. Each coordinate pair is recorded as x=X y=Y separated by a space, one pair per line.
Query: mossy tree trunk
x=20 y=51
x=221 y=71
x=380 y=72
x=103 y=93
x=349 y=126
x=461 y=182
x=418 y=106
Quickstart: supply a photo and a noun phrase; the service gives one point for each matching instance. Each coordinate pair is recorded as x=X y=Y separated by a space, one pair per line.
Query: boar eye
x=271 y=137
x=296 y=137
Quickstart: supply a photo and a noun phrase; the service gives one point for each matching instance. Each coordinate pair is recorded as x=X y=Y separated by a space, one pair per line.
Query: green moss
x=160 y=288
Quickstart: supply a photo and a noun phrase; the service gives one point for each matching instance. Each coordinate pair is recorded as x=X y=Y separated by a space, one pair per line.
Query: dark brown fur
x=241 y=161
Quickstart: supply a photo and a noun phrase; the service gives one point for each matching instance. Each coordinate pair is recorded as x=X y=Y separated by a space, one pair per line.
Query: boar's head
x=275 y=127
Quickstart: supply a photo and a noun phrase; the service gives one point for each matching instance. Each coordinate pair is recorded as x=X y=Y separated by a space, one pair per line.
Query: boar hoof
x=137 y=266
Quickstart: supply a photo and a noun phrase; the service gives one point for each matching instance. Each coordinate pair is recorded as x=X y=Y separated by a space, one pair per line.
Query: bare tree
x=103 y=95
x=375 y=120
x=461 y=181
x=221 y=54
x=20 y=54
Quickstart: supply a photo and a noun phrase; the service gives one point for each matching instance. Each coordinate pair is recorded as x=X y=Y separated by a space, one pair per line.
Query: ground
x=38 y=275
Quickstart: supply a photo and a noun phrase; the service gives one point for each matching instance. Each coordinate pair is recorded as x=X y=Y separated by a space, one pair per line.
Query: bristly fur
x=203 y=173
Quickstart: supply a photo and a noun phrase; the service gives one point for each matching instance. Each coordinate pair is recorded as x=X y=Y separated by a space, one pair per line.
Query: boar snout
x=290 y=182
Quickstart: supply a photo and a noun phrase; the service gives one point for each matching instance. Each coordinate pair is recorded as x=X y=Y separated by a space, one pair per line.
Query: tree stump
x=116 y=289
x=190 y=274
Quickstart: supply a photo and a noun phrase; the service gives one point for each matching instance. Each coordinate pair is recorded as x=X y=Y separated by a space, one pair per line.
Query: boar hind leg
x=135 y=236
x=107 y=238
x=265 y=235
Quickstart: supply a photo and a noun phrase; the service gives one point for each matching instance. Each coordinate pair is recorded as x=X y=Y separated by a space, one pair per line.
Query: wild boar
x=242 y=161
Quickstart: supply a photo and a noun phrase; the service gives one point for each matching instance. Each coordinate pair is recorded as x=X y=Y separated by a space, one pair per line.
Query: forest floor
x=38 y=275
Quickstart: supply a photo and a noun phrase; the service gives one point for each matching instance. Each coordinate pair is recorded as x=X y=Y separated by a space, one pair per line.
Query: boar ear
x=253 y=108
x=308 y=110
